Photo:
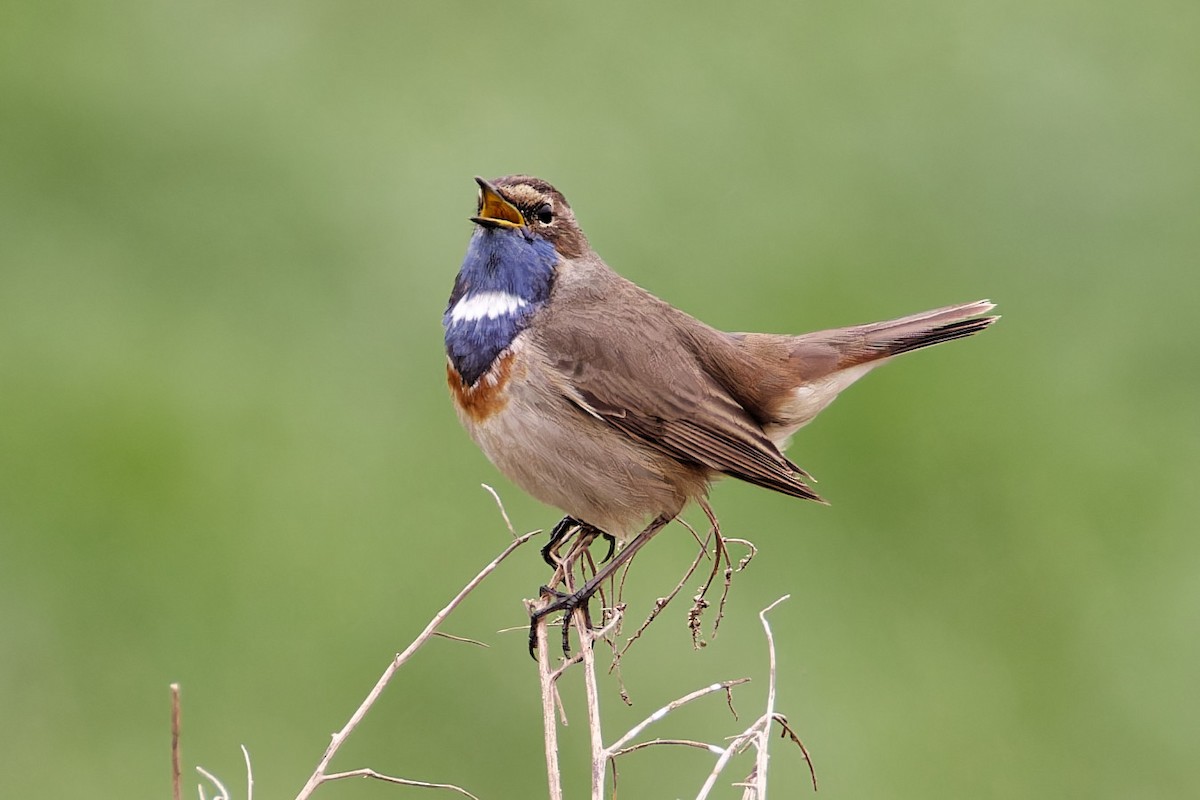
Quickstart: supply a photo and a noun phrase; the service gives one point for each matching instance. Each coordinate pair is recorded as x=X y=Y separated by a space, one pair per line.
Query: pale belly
x=568 y=459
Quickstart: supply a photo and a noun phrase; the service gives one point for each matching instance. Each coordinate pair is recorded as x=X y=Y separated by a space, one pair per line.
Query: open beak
x=494 y=210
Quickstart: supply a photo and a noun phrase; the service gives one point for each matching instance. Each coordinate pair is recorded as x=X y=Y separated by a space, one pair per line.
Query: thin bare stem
x=500 y=505
x=700 y=601
x=569 y=662
x=661 y=603
x=746 y=559
x=712 y=748
x=636 y=730
x=760 y=766
x=550 y=701
x=249 y=774
x=757 y=734
x=786 y=730
x=222 y=792
x=462 y=639
x=613 y=624
x=339 y=738
x=176 y=755
x=595 y=734
x=734 y=748
x=379 y=776
x=703 y=544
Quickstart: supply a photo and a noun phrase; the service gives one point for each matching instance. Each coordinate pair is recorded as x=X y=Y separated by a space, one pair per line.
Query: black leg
x=567 y=603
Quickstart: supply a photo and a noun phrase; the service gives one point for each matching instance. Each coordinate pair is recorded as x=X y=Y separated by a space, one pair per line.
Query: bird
x=598 y=398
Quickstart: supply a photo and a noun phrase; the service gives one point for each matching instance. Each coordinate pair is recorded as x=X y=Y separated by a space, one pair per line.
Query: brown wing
x=627 y=365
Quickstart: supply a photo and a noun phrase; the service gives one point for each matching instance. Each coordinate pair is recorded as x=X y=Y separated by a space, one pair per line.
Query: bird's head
x=521 y=205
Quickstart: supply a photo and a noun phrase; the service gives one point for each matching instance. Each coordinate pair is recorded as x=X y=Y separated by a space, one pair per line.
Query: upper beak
x=494 y=210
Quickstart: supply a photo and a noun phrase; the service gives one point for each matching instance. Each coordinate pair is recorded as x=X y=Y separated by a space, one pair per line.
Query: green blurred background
x=227 y=457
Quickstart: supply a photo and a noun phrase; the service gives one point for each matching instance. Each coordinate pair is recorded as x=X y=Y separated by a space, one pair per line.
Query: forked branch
x=602 y=756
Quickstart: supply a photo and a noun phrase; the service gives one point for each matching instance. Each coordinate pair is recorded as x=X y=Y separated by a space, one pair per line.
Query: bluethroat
x=596 y=397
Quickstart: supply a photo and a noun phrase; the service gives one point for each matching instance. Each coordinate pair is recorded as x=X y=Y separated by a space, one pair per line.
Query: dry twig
x=550 y=702
x=249 y=774
x=222 y=792
x=661 y=603
x=176 y=757
x=757 y=735
x=319 y=775
x=601 y=755
x=370 y=773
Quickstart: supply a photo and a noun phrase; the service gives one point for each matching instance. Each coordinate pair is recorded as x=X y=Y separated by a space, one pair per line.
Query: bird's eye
x=544 y=214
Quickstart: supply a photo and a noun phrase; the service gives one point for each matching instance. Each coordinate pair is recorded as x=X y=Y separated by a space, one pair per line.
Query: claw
x=612 y=546
x=561 y=531
x=566 y=603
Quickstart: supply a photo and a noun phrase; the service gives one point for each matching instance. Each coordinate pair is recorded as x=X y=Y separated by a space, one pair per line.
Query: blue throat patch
x=499 y=263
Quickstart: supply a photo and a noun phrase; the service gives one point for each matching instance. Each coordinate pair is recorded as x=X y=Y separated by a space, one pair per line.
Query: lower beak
x=494 y=210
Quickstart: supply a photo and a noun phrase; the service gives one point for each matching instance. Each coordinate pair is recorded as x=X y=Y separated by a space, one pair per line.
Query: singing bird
x=596 y=397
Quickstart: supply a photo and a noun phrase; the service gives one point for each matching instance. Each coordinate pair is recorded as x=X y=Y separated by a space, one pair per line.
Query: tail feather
x=942 y=333
x=936 y=315
x=903 y=335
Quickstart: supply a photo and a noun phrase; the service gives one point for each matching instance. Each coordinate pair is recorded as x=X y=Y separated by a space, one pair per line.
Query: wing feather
x=652 y=387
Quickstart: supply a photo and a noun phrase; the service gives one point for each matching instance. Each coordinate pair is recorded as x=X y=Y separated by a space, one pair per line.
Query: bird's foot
x=567 y=604
x=563 y=530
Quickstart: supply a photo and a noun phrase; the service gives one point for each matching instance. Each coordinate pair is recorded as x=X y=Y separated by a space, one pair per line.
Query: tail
x=891 y=338
x=820 y=365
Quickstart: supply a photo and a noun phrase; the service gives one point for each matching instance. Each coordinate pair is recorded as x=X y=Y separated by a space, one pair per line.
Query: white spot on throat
x=489 y=305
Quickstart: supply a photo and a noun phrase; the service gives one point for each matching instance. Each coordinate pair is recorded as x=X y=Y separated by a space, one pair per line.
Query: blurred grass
x=227 y=458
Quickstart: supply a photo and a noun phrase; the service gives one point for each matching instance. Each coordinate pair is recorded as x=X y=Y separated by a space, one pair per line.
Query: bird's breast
x=488 y=395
